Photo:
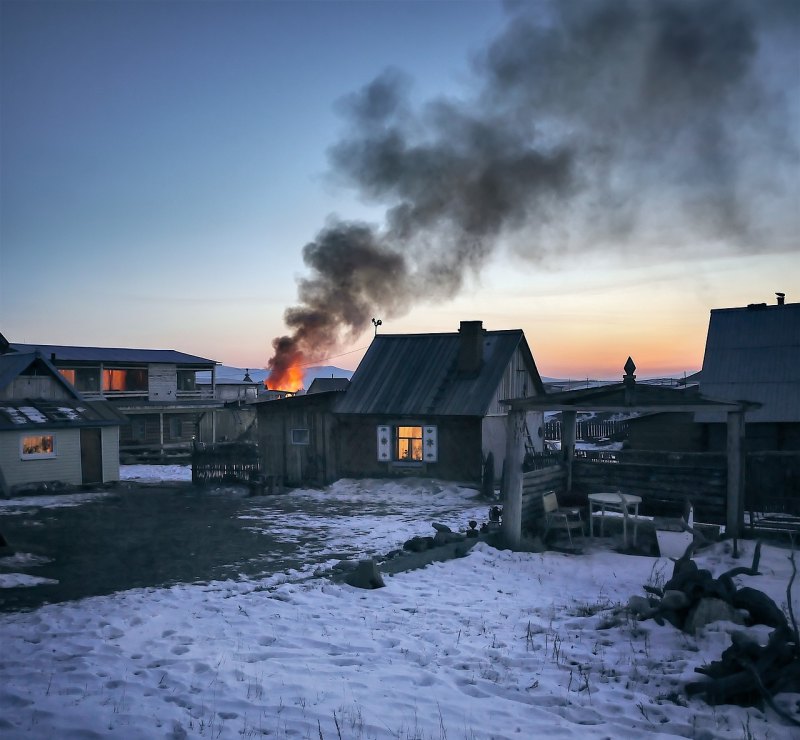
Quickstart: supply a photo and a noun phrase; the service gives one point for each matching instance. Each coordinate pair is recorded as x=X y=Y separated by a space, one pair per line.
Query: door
x=91 y=456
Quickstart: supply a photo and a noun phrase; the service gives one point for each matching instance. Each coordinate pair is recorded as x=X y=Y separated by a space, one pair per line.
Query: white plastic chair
x=563 y=517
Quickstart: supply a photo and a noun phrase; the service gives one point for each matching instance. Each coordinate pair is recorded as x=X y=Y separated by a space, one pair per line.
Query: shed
x=48 y=431
x=298 y=438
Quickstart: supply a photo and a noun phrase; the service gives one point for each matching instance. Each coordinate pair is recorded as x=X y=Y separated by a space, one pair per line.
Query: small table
x=621 y=502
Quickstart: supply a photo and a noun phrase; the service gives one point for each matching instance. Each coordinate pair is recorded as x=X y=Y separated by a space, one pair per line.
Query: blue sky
x=163 y=164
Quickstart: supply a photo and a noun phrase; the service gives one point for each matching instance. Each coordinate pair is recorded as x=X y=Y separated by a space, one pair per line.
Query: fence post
x=568 y=443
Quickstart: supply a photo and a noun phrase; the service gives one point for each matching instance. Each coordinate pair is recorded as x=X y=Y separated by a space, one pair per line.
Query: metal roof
x=321 y=385
x=66 y=353
x=28 y=414
x=415 y=375
x=753 y=354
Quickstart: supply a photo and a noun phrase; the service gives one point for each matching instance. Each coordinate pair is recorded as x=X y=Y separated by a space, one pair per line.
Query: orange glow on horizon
x=603 y=357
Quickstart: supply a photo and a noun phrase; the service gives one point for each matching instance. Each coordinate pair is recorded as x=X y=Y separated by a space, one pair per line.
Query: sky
x=491 y=646
x=178 y=174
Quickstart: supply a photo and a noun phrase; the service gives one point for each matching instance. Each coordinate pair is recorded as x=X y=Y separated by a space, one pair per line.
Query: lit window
x=38 y=446
x=82 y=378
x=124 y=380
x=409 y=444
x=300 y=436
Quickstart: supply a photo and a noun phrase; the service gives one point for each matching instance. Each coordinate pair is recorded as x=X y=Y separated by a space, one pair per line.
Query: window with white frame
x=37 y=446
x=407 y=443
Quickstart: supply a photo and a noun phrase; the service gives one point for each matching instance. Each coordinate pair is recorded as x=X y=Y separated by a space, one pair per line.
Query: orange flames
x=288 y=379
x=286 y=366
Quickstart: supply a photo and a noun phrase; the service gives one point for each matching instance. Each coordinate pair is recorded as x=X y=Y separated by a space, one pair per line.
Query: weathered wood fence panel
x=664 y=488
x=225 y=463
x=772 y=482
x=535 y=483
x=588 y=429
x=666 y=480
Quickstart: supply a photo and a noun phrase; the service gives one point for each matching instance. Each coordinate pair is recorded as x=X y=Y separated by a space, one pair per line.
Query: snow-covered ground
x=493 y=645
x=155 y=473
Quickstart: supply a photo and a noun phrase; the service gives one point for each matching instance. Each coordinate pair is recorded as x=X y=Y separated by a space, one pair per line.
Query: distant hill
x=226 y=372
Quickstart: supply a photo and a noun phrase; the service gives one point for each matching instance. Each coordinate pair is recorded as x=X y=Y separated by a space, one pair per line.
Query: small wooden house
x=418 y=404
x=48 y=431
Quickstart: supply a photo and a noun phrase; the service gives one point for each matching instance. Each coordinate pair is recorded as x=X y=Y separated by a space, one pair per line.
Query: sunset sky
x=599 y=174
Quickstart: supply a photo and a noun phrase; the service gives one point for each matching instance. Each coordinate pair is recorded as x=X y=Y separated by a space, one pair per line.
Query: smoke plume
x=660 y=125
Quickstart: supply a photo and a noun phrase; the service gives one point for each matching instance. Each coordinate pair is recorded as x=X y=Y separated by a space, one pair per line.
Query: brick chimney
x=470 y=349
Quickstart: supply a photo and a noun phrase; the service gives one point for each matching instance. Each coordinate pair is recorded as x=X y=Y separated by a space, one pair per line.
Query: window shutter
x=384 y=444
x=430 y=444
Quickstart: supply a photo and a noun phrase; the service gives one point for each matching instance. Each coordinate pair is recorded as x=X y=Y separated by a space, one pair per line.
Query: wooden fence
x=665 y=488
x=225 y=463
x=665 y=481
x=589 y=429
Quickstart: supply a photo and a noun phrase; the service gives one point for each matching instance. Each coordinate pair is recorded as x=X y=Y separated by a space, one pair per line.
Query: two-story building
x=156 y=389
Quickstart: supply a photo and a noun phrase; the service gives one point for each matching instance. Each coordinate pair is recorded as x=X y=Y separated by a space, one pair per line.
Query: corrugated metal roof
x=753 y=354
x=416 y=374
x=65 y=353
x=321 y=385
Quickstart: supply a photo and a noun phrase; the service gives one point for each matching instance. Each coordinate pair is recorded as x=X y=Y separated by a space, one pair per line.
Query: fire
x=287 y=379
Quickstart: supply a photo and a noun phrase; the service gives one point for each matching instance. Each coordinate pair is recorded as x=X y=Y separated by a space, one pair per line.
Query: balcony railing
x=198 y=395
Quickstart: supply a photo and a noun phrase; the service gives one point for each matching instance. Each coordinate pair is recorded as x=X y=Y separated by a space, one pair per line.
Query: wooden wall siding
x=460 y=454
x=34 y=386
x=232 y=423
x=162 y=382
x=772 y=482
x=675 y=431
x=110 y=446
x=516 y=383
x=664 y=488
x=66 y=466
x=151 y=430
x=294 y=465
x=534 y=485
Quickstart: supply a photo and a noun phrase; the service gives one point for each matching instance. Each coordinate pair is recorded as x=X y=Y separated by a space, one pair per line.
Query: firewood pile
x=747 y=673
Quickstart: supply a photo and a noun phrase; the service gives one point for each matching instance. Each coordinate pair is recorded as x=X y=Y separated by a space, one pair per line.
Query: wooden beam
x=736 y=468
x=512 y=502
x=542 y=405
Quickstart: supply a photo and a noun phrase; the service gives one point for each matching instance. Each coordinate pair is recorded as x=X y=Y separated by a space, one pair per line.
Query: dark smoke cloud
x=650 y=124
